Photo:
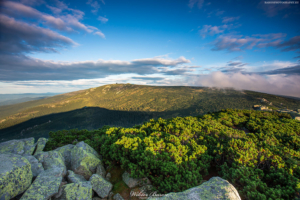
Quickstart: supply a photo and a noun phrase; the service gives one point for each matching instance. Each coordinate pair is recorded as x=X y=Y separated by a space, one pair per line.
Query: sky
x=62 y=46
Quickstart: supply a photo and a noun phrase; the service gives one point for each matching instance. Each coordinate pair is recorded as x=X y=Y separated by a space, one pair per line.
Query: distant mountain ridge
x=136 y=103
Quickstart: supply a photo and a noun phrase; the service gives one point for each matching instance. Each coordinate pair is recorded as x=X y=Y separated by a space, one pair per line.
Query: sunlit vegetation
x=258 y=152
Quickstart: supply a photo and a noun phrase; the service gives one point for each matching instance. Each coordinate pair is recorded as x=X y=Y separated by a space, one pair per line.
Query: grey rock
x=101 y=170
x=133 y=182
x=40 y=145
x=83 y=162
x=15 y=175
x=101 y=186
x=216 y=188
x=36 y=167
x=21 y=147
x=75 y=178
x=108 y=176
x=52 y=159
x=66 y=153
x=88 y=148
x=45 y=185
x=82 y=191
x=118 y=197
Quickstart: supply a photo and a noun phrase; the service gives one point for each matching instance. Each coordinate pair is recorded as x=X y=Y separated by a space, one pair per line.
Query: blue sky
x=63 y=46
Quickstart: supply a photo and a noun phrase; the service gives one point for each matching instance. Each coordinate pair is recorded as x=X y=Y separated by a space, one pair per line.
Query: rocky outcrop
x=15 y=175
x=66 y=153
x=36 y=167
x=21 y=147
x=216 y=188
x=84 y=161
x=76 y=172
x=81 y=190
x=40 y=145
x=75 y=178
x=101 y=186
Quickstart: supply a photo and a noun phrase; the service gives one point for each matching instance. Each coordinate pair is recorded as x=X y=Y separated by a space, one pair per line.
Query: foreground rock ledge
x=216 y=188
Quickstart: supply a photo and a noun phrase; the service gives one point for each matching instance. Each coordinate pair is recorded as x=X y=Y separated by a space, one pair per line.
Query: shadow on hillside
x=86 y=118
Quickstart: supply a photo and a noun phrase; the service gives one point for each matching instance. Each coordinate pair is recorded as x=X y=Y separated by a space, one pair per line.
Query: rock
x=36 y=167
x=88 y=149
x=110 y=195
x=52 y=159
x=82 y=191
x=66 y=153
x=101 y=170
x=15 y=175
x=132 y=182
x=83 y=162
x=21 y=147
x=216 y=188
x=101 y=186
x=108 y=176
x=96 y=198
x=75 y=178
x=40 y=145
x=45 y=185
x=118 y=197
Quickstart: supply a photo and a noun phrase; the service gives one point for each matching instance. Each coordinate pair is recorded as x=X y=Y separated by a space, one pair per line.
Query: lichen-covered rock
x=88 y=148
x=29 y=146
x=132 y=182
x=82 y=191
x=21 y=147
x=36 y=167
x=75 y=178
x=66 y=153
x=40 y=145
x=83 y=162
x=45 y=185
x=118 y=197
x=216 y=188
x=101 y=170
x=15 y=175
x=101 y=186
x=52 y=159
x=108 y=176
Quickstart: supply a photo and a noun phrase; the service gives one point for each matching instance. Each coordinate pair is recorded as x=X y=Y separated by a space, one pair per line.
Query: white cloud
x=102 y=19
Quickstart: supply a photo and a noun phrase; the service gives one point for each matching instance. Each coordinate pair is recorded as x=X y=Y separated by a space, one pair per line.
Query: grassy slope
x=155 y=101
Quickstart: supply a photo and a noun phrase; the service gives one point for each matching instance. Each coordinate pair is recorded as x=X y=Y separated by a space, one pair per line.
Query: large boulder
x=75 y=178
x=52 y=159
x=88 y=148
x=36 y=167
x=84 y=161
x=66 y=153
x=82 y=191
x=118 y=197
x=101 y=186
x=45 y=185
x=133 y=182
x=21 y=147
x=40 y=145
x=15 y=175
x=216 y=188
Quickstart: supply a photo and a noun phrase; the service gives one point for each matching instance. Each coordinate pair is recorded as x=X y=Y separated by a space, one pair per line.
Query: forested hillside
x=167 y=101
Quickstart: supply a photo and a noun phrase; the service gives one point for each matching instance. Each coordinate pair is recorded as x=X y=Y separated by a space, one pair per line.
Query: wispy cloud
x=63 y=22
x=20 y=37
x=15 y=68
x=239 y=42
x=213 y=30
x=229 y=19
x=102 y=19
x=199 y=3
x=95 y=5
